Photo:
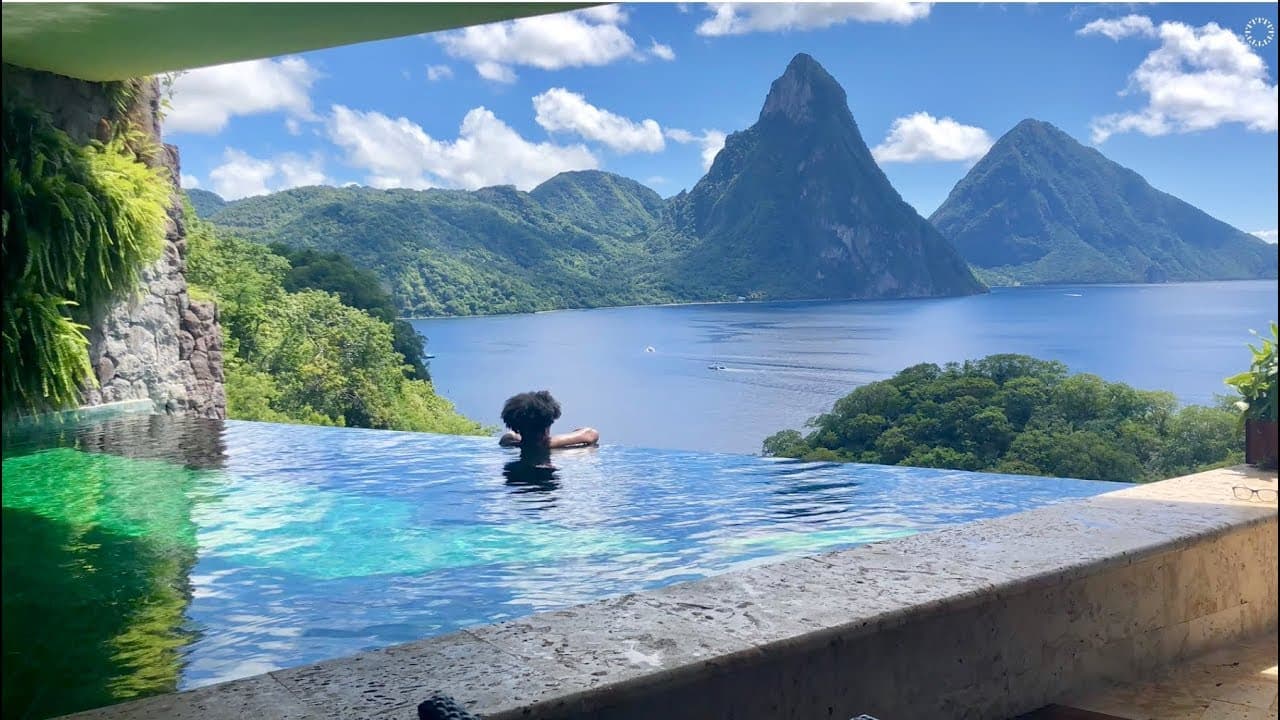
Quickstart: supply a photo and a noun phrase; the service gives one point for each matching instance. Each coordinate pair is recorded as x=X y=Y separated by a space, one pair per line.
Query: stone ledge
x=87 y=412
x=984 y=620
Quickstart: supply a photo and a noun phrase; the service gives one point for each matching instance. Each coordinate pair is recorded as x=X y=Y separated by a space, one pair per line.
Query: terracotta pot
x=1260 y=443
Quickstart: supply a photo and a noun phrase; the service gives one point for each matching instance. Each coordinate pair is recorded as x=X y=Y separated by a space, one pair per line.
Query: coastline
x=826 y=300
x=651 y=305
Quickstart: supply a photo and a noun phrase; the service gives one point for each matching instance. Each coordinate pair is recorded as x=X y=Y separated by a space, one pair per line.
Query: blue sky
x=1175 y=92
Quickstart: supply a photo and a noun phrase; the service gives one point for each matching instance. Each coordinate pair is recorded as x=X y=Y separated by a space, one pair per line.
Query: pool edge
x=87 y=412
x=1001 y=616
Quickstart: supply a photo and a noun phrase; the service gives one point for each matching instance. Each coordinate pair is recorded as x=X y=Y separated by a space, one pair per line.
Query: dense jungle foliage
x=1018 y=414
x=296 y=352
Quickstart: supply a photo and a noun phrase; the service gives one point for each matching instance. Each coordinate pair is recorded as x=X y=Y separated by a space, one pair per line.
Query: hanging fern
x=122 y=94
x=38 y=332
x=79 y=225
x=134 y=199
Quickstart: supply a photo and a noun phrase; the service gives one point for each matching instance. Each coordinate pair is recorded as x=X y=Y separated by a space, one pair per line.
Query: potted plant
x=1258 y=390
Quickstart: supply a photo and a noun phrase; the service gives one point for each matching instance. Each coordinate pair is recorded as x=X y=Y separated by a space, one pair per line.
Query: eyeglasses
x=1246 y=493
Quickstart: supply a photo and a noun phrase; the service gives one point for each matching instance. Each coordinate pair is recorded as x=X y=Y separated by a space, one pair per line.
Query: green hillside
x=794 y=208
x=1042 y=208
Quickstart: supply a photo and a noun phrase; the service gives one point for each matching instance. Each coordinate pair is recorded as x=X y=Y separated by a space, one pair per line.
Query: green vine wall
x=79 y=222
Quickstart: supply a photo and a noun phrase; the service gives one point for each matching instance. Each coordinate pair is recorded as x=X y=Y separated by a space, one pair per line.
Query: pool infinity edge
x=984 y=620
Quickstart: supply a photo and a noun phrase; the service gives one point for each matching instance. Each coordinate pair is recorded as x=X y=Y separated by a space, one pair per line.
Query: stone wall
x=155 y=342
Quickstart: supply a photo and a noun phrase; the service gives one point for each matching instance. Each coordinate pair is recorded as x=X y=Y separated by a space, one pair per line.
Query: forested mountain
x=454 y=252
x=205 y=202
x=1042 y=208
x=796 y=207
x=601 y=202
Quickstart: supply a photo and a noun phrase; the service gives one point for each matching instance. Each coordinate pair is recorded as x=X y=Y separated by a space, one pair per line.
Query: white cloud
x=242 y=175
x=681 y=136
x=921 y=137
x=712 y=142
x=655 y=180
x=742 y=18
x=297 y=171
x=190 y=181
x=397 y=152
x=439 y=72
x=584 y=37
x=497 y=72
x=1199 y=78
x=559 y=110
x=205 y=100
x=610 y=14
x=662 y=52
x=1266 y=235
x=1117 y=28
x=292 y=126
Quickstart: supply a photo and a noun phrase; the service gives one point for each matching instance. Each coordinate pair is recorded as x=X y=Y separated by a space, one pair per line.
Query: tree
x=307 y=356
x=362 y=289
x=1017 y=414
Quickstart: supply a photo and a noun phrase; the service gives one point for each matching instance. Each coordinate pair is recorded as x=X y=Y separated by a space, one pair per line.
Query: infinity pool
x=144 y=554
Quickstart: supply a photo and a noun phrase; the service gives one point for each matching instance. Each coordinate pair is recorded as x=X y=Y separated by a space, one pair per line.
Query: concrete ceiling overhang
x=115 y=41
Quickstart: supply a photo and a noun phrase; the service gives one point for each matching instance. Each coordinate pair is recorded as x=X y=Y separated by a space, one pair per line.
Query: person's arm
x=577 y=438
x=509 y=438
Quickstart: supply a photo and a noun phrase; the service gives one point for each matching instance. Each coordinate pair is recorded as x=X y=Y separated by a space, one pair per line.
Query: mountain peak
x=803 y=61
x=1041 y=207
x=1033 y=129
x=1033 y=124
x=796 y=207
x=803 y=92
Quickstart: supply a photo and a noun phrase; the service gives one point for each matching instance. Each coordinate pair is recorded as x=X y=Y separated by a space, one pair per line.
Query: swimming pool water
x=145 y=553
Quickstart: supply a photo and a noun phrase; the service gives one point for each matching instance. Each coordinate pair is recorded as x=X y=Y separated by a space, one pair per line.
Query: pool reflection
x=97 y=572
x=538 y=481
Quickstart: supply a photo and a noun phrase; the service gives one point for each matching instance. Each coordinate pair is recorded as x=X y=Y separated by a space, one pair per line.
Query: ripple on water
x=296 y=544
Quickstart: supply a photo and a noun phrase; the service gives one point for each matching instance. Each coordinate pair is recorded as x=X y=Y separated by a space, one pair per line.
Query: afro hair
x=530 y=413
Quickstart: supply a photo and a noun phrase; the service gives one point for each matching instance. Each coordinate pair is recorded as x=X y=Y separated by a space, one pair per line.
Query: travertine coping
x=983 y=620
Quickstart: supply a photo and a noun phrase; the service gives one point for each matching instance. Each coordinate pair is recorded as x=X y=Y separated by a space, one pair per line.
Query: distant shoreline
x=679 y=304
x=822 y=300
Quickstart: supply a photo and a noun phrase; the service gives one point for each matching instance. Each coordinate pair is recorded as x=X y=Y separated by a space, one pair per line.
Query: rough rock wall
x=155 y=342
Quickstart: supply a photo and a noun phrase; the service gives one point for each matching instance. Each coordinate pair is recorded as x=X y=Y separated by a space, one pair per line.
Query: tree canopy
x=1017 y=414
x=295 y=353
x=361 y=289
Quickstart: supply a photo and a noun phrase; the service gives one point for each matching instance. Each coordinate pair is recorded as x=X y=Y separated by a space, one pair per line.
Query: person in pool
x=530 y=415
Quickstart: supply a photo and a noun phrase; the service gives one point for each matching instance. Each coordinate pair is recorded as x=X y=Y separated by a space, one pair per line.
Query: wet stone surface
x=612 y=641
x=256 y=698
x=395 y=680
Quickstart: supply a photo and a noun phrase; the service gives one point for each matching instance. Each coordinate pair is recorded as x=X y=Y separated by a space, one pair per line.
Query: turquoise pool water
x=152 y=553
